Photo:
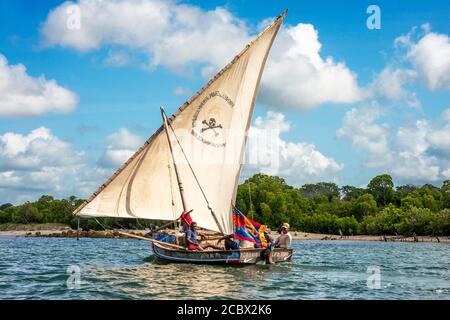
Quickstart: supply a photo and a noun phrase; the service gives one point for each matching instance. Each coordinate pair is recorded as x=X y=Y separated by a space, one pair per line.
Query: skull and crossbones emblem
x=211 y=125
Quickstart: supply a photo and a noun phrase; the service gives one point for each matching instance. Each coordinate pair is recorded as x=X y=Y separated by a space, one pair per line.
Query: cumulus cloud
x=297 y=77
x=298 y=162
x=420 y=56
x=121 y=146
x=40 y=148
x=446 y=174
x=23 y=95
x=39 y=163
x=390 y=85
x=431 y=56
x=179 y=35
x=35 y=163
x=170 y=33
x=411 y=157
x=439 y=138
x=414 y=153
x=429 y=53
x=360 y=126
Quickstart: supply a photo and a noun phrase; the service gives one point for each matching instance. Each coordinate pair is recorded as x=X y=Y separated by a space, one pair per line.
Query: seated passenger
x=230 y=242
x=267 y=254
x=285 y=238
x=192 y=240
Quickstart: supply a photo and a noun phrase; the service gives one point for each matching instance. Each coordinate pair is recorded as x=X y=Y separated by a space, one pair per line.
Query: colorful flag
x=247 y=229
x=186 y=218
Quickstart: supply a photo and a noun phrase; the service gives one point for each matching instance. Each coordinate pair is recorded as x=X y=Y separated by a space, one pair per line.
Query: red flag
x=186 y=218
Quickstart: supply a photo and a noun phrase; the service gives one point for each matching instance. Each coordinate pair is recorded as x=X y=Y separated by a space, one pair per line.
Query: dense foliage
x=379 y=209
x=50 y=210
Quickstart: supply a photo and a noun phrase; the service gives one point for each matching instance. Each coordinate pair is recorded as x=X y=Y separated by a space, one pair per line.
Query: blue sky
x=387 y=112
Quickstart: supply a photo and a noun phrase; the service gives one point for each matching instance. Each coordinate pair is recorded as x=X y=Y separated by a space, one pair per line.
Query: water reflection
x=154 y=279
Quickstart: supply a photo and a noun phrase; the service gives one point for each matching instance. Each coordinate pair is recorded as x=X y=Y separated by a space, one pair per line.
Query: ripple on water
x=36 y=268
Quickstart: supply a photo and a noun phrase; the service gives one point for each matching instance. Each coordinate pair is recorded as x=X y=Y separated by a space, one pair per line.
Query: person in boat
x=285 y=238
x=267 y=254
x=230 y=243
x=192 y=240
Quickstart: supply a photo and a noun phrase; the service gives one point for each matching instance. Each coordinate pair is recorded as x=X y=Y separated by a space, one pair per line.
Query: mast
x=180 y=184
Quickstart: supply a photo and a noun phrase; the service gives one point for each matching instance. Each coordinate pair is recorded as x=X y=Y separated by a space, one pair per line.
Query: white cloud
x=121 y=146
x=117 y=59
x=41 y=163
x=299 y=163
x=129 y=23
x=431 y=56
x=298 y=77
x=179 y=35
x=416 y=153
x=360 y=127
x=390 y=85
x=429 y=53
x=420 y=56
x=37 y=163
x=170 y=33
x=23 y=95
x=181 y=91
x=440 y=138
x=446 y=173
x=40 y=148
x=411 y=159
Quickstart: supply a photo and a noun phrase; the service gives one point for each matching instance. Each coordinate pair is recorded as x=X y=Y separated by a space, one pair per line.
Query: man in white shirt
x=285 y=238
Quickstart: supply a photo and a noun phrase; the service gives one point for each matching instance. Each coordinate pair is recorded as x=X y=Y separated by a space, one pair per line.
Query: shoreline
x=296 y=235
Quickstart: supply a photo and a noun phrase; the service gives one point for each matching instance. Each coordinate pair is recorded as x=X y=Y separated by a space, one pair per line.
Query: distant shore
x=318 y=236
x=62 y=231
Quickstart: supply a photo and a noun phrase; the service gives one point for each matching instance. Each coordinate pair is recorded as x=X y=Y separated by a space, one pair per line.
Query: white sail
x=211 y=129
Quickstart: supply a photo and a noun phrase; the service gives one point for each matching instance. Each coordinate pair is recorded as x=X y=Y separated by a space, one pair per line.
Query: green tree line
x=324 y=207
x=378 y=209
x=50 y=210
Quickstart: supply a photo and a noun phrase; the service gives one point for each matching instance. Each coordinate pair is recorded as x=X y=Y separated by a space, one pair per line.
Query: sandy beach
x=317 y=236
x=61 y=231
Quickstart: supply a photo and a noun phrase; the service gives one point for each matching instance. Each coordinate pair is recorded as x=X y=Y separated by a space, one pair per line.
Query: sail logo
x=211 y=118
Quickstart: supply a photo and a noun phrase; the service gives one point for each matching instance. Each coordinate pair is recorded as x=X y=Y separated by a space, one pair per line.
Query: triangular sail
x=211 y=128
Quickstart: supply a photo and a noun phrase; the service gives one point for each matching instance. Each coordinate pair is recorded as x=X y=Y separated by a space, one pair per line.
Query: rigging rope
x=195 y=177
x=250 y=196
x=190 y=167
x=171 y=188
x=100 y=224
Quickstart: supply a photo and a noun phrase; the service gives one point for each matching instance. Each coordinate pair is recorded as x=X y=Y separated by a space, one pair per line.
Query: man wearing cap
x=285 y=238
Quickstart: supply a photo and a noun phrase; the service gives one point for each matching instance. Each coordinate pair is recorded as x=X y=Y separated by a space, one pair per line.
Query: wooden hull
x=242 y=256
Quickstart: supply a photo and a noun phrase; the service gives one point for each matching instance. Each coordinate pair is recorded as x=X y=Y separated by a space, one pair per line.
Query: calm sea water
x=38 y=268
